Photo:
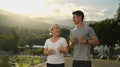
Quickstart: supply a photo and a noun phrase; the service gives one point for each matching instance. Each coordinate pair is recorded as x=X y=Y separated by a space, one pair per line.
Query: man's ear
x=80 y=17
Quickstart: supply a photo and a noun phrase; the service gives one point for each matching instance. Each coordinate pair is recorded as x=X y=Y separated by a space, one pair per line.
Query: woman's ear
x=51 y=32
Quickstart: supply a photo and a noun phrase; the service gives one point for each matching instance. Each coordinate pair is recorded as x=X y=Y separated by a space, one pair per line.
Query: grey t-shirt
x=82 y=51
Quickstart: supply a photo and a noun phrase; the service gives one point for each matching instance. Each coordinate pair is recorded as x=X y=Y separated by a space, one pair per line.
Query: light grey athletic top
x=82 y=51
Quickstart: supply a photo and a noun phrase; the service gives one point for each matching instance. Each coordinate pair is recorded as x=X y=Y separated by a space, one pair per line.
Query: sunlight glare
x=27 y=7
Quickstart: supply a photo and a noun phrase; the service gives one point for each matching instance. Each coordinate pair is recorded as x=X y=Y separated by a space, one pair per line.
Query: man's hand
x=82 y=40
x=72 y=42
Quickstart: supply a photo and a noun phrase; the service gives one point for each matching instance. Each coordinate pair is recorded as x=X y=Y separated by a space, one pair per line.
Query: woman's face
x=56 y=30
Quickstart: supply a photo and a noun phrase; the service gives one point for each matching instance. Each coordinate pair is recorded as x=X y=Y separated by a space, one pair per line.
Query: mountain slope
x=10 y=19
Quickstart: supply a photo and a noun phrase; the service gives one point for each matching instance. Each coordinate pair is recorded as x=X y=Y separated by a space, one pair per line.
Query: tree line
x=108 y=31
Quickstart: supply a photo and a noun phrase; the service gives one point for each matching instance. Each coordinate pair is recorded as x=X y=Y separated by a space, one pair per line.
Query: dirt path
x=95 y=63
x=105 y=63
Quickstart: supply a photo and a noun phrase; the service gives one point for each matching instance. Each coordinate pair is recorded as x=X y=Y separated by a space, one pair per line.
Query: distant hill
x=22 y=21
x=69 y=22
x=11 y=19
x=66 y=22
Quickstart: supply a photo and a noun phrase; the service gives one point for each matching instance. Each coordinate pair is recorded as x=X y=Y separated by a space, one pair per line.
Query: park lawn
x=22 y=61
x=4 y=61
x=36 y=61
x=26 y=61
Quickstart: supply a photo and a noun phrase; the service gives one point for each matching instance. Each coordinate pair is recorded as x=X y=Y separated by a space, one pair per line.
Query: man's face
x=76 y=19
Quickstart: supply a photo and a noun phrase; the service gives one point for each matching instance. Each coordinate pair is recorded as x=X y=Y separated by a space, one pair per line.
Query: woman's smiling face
x=56 y=30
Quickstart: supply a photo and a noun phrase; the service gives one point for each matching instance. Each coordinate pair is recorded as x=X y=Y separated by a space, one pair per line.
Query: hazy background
x=41 y=13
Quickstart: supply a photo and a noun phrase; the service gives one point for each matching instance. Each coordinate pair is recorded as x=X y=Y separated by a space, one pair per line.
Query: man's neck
x=80 y=24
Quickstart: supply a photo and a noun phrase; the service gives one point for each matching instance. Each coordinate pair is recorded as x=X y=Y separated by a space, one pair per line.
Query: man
x=81 y=37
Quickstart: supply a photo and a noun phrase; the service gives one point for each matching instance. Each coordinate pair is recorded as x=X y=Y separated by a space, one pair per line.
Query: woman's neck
x=55 y=37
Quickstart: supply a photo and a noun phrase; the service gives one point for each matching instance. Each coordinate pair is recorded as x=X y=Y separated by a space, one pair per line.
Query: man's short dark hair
x=79 y=13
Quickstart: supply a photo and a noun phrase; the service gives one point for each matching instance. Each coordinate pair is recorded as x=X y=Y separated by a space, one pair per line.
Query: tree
x=6 y=42
x=15 y=41
x=117 y=15
x=116 y=24
x=65 y=33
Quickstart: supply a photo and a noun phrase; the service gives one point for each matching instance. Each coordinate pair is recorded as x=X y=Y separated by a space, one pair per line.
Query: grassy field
x=22 y=61
x=4 y=61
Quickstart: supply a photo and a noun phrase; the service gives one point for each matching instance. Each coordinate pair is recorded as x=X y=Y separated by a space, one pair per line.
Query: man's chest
x=80 y=33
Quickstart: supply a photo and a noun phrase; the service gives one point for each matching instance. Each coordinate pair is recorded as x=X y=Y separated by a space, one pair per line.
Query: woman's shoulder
x=62 y=38
x=48 y=39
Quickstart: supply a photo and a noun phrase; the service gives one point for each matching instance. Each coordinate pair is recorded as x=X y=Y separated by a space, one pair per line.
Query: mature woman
x=55 y=48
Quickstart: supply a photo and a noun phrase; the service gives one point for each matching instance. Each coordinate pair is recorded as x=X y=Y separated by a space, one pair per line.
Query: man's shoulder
x=87 y=27
x=74 y=28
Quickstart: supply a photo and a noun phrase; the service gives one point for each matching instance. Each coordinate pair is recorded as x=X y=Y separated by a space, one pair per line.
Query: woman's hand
x=48 y=52
x=60 y=50
x=63 y=50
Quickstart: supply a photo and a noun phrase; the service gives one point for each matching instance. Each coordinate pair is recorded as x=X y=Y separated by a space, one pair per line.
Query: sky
x=94 y=10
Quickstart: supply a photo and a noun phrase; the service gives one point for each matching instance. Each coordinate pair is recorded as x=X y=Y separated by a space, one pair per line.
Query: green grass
x=4 y=61
x=114 y=60
x=36 y=61
x=26 y=61
x=22 y=61
x=110 y=60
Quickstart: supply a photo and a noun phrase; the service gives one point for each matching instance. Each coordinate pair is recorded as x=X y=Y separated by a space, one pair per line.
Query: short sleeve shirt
x=82 y=51
x=57 y=57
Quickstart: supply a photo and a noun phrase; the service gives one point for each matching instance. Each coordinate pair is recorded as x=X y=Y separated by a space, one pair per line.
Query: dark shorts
x=55 y=65
x=82 y=63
